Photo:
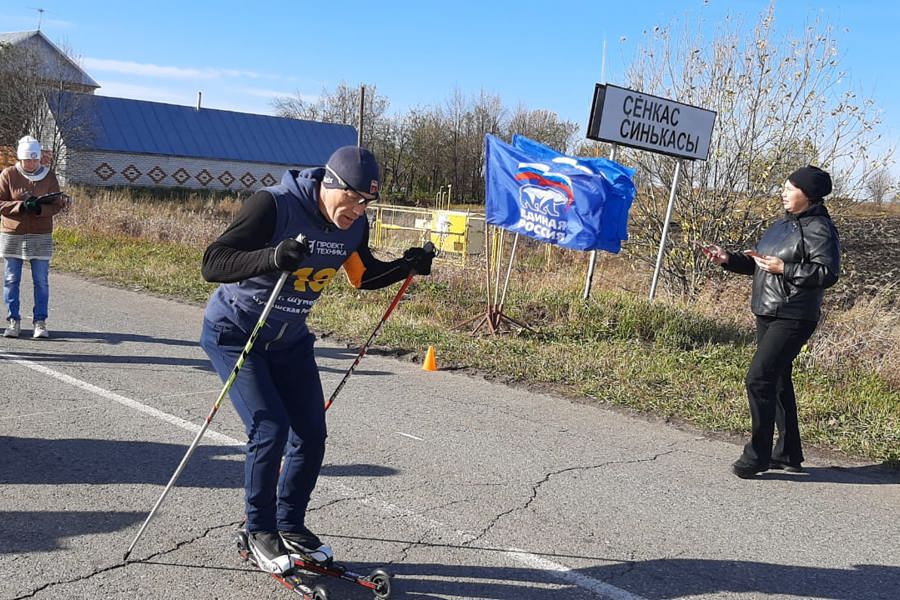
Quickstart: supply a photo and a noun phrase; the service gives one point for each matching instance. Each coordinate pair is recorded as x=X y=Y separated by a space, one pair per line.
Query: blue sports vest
x=297 y=211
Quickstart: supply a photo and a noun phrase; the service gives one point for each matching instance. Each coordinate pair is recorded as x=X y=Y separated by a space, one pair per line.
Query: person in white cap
x=26 y=227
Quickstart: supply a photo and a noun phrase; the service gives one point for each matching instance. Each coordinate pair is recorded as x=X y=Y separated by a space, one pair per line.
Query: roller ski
x=310 y=554
x=378 y=581
x=266 y=552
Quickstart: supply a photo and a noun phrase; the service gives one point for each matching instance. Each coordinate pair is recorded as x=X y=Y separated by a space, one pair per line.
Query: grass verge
x=655 y=358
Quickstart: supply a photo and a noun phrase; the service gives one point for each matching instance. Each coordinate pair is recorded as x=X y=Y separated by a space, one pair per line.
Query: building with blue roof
x=105 y=141
x=117 y=141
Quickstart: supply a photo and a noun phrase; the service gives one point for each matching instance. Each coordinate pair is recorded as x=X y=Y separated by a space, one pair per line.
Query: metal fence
x=457 y=234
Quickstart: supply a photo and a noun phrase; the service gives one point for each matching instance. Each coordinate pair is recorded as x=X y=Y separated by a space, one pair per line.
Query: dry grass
x=189 y=218
x=672 y=358
x=866 y=335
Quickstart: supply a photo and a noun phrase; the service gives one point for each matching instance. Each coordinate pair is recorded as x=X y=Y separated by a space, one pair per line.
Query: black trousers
x=770 y=390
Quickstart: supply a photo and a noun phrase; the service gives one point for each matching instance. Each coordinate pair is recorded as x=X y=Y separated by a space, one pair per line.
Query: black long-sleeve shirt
x=242 y=252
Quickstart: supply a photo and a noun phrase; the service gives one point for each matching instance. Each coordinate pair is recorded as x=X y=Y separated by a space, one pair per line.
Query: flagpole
x=592 y=261
x=589 y=279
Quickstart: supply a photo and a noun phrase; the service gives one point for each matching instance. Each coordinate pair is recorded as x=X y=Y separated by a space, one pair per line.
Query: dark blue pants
x=770 y=390
x=278 y=396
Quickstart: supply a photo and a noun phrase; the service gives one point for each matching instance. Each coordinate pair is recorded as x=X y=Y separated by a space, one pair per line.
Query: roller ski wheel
x=291 y=580
x=382 y=582
x=378 y=581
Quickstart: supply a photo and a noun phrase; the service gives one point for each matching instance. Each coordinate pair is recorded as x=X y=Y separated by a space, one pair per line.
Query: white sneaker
x=40 y=330
x=12 y=328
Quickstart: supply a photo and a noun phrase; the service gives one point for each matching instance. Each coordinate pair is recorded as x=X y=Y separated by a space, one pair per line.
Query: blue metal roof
x=90 y=122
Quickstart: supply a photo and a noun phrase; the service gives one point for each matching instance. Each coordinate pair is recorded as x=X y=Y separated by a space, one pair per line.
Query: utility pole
x=362 y=111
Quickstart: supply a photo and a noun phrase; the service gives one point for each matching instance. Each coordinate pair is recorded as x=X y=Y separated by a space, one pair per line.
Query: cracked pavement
x=461 y=488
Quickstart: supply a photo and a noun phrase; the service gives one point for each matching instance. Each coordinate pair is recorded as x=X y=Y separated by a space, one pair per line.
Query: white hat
x=29 y=148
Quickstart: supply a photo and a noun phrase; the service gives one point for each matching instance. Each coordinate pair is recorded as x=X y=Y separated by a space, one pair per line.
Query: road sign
x=639 y=120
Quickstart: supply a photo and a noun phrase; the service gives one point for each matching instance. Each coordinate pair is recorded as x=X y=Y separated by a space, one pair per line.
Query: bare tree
x=430 y=147
x=781 y=103
x=339 y=106
x=38 y=97
x=878 y=185
x=20 y=93
x=297 y=107
x=543 y=126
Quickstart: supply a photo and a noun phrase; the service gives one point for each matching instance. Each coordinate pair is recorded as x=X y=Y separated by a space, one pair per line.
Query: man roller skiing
x=277 y=393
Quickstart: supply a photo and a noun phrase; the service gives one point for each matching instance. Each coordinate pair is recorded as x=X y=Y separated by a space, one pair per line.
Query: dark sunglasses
x=362 y=199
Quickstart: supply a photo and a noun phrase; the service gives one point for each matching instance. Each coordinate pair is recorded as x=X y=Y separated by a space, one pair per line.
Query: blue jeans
x=278 y=396
x=40 y=277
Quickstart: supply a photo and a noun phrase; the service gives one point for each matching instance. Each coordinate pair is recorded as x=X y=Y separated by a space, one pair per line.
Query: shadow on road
x=881 y=474
x=658 y=579
x=126 y=359
x=357 y=470
x=661 y=579
x=42 y=531
x=113 y=338
x=22 y=348
x=35 y=461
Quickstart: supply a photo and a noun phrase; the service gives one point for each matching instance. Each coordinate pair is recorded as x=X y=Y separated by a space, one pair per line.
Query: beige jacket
x=15 y=188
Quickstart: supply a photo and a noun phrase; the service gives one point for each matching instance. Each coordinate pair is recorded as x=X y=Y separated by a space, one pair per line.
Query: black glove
x=290 y=253
x=419 y=259
x=32 y=205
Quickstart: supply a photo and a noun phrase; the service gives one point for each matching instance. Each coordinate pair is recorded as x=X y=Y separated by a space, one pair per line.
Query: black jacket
x=809 y=246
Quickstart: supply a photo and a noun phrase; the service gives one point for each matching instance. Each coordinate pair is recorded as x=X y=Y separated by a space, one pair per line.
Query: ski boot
x=289 y=577
x=314 y=556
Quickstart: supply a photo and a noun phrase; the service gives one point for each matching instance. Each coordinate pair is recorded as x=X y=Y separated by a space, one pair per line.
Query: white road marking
x=128 y=402
x=409 y=435
x=602 y=589
x=555 y=570
x=182 y=395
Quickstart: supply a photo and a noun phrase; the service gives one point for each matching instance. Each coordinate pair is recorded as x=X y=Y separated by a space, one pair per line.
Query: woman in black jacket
x=792 y=264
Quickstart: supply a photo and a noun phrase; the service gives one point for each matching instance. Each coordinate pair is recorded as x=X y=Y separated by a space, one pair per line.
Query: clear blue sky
x=241 y=54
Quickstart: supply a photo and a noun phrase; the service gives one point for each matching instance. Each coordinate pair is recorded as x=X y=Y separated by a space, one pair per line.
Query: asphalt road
x=460 y=487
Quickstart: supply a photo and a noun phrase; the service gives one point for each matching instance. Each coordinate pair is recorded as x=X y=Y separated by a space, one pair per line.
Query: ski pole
x=429 y=247
x=362 y=351
x=237 y=367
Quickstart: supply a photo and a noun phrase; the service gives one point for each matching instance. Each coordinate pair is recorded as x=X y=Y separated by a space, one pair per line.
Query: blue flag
x=577 y=203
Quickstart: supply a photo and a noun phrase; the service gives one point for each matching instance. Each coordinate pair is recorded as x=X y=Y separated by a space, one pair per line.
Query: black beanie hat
x=812 y=181
x=355 y=168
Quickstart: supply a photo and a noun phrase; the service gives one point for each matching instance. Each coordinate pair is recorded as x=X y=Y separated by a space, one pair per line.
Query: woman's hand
x=715 y=254
x=770 y=264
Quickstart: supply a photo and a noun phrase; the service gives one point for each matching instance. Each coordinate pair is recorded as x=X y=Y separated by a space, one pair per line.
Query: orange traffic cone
x=428 y=364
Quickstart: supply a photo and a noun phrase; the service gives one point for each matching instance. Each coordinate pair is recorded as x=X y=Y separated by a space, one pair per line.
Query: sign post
x=631 y=118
